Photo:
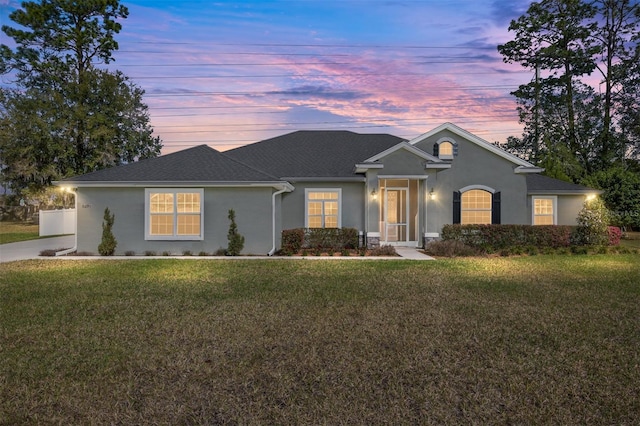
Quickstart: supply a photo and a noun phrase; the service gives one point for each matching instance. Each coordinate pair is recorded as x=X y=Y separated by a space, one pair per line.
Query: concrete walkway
x=412 y=254
x=31 y=249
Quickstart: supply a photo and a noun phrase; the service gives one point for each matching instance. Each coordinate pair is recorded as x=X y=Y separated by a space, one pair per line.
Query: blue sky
x=231 y=73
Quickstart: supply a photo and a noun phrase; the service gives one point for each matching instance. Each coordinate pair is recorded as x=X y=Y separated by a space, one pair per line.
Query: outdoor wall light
x=432 y=194
x=374 y=194
x=591 y=197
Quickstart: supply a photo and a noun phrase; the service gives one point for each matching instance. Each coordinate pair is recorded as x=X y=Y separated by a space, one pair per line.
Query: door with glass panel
x=396 y=207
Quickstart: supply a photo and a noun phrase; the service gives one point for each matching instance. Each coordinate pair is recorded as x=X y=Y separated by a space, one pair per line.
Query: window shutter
x=457 y=206
x=495 y=209
x=455 y=149
x=436 y=150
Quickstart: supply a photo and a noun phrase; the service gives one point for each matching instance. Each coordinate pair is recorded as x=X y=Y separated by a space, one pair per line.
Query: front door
x=396 y=207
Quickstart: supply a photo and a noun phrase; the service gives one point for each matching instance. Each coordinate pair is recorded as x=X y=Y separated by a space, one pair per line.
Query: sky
x=227 y=74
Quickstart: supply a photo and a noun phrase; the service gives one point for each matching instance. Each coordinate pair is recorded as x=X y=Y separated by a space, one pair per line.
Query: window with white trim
x=322 y=208
x=445 y=150
x=544 y=210
x=173 y=214
x=475 y=207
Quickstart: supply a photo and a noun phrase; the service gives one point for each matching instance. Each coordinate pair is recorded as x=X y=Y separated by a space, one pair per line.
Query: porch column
x=372 y=200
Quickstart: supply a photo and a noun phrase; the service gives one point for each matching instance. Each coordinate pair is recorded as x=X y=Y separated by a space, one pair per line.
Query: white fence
x=57 y=222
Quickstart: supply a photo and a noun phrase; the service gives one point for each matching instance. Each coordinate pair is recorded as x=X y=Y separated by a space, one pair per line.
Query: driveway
x=31 y=249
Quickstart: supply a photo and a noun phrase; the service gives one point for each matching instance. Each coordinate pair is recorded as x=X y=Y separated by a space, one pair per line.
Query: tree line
x=581 y=111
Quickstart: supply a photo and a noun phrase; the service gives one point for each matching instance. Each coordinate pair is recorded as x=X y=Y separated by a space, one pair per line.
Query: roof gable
x=198 y=164
x=406 y=146
x=524 y=166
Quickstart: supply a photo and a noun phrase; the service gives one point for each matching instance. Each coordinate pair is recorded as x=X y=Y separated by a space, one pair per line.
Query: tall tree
x=617 y=22
x=553 y=36
x=67 y=116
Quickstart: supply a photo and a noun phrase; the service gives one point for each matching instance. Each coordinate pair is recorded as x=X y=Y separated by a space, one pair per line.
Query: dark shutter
x=457 y=206
x=455 y=149
x=495 y=209
x=436 y=150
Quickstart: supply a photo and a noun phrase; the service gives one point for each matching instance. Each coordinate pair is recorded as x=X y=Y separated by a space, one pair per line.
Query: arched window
x=475 y=207
x=446 y=149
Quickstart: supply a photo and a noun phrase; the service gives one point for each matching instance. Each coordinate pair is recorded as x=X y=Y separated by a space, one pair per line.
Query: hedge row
x=498 y=237
x=293 y=240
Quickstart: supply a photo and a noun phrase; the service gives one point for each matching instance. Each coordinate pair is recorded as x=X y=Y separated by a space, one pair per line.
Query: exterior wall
x=253 y=217
x=474 y=165
x=353 y=204
x=568 y=208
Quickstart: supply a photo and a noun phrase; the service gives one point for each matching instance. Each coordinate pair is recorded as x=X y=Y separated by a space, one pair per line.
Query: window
x=322 y=209
x=544 y=210
x=476 y=207
x=173 y=214
x=446 y=149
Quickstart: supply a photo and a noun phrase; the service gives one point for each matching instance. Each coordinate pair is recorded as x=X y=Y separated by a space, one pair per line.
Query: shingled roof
x=198 y=164
x=539 y=184
x=313 y=154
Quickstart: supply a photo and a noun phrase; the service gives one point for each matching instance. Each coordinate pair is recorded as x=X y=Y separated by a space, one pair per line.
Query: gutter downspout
x=273 y=219
x=75 y=240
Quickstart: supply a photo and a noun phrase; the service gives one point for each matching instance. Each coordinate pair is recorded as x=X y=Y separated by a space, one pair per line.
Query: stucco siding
x=568 y=208
x=474 y=165
x=352 y=202
x=402 y=162
x=253 y=217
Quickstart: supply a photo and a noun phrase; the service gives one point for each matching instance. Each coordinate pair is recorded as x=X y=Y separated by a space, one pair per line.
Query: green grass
x=530 y=340
x=12 y=232
x=632 y=240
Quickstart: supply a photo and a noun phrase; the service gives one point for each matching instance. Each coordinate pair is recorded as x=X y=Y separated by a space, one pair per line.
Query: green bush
x=593 y=221
x=450 y=248
x=292 y=240
x=330 y=240
x=236 y=241
x=495 y=238
x=108 y=244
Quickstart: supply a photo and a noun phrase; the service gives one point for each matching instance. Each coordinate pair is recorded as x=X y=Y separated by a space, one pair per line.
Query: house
x=394 y=191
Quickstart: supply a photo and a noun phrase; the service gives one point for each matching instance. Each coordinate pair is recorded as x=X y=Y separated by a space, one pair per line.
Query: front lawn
x=527 y=340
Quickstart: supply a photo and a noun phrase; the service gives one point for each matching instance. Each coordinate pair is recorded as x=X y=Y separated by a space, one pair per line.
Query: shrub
x=292 y=240
x=149 y=253
x=187 y=253
x=220 y=252
x=108 y=245
x=48 y=252
x=319 y=239
x=203 y=253
x=614 y=234
x=166 y=253
x=592 y=224
x=384 y=250
x=492 y=238
x=236 y=241
x=450 y=248
x=129 y=253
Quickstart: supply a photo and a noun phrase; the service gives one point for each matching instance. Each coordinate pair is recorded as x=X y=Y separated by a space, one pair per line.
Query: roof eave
x=564 y=192
x=524 y=169
x=175 y=184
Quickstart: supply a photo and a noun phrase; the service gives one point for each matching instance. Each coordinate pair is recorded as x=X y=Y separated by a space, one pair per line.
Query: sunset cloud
x=230 y=73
